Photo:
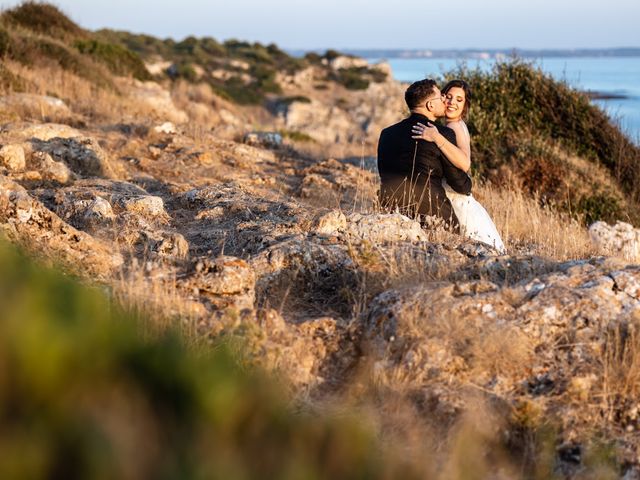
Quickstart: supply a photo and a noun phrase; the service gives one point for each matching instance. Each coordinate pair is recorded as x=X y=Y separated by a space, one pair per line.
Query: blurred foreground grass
x=84 y=395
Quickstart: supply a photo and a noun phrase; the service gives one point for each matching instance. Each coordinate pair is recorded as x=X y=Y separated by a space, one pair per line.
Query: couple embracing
x=424 y=166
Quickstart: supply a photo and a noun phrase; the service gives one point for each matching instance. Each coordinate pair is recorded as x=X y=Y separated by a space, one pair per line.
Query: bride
x=474 y=220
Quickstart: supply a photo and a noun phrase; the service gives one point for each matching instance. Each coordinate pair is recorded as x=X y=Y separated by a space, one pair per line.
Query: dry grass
x=81 y=96
x=525 y=224
x=156 y=301
x=621 y=372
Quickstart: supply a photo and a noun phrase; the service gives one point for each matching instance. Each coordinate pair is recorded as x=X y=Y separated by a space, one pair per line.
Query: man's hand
x=425 y=132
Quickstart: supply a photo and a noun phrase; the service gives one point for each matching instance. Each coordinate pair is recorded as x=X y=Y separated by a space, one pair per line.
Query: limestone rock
x=576 y=305
x=619 y=239
x=28 y=222
x=332 y=183
x=44 y=131
x=51 y=169
x=301 y=270
x=165 y=244
x=342 y=62
x=225 y=282
x=265 y=139
x=167 y=128
x=330 y=223
x=147 y=206
x=252 y=221
x=12 y=157
x=83 y=155
x=158 y=99
x=381 y=227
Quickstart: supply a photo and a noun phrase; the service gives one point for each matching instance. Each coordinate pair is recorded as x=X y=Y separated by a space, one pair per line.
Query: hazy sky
x=308 y=24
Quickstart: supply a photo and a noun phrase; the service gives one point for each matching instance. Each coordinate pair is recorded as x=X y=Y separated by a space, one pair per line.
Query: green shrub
x=296 y=136
x=118 y=59
x=5 y=42
x=237 y=91
x=285 y=101
x=184 y=70
x=351 y=78
x=600 y=207
x=84 y=395
x=331 y=55
x=43 y=18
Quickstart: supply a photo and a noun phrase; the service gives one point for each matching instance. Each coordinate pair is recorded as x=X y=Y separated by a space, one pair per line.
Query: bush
x=83 y=395
x=296 y=136
x=43 y=18
x=5 y=42
x=600 y=207
x=352 y=78
x=118 y=59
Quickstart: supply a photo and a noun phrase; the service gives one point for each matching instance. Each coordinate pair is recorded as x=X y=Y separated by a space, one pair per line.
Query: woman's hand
x=425 y=132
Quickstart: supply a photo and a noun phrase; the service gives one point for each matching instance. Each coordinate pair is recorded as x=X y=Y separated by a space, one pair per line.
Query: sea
x=617 y=77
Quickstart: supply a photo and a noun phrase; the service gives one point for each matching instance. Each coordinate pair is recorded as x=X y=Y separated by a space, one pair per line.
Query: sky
x=388 y=24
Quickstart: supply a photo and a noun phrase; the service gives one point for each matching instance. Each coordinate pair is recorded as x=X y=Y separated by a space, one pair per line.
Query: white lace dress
x=474 y=220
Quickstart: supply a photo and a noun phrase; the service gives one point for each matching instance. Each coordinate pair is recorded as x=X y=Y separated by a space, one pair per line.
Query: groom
x=411 y=171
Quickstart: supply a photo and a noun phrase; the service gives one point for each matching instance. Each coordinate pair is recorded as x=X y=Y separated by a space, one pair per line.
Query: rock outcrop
x=28 y=222
x=619 y=239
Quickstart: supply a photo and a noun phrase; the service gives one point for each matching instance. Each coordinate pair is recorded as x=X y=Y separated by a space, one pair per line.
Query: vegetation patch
x=296 y=136
x=120 y=60
x=44 y=19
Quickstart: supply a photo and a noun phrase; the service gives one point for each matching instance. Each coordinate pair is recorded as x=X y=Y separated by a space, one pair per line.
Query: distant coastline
x=485 y=54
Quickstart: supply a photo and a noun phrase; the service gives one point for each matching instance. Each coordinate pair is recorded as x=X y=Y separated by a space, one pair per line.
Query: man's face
x=435 y=103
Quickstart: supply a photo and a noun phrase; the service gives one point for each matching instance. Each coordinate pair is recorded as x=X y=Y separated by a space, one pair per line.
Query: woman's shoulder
x=458 y=126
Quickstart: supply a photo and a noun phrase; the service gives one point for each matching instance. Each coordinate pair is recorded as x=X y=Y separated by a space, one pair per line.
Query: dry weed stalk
x=621 y=368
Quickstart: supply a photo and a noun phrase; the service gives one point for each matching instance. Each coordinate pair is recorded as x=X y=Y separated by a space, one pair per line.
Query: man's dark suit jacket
x=411 y=172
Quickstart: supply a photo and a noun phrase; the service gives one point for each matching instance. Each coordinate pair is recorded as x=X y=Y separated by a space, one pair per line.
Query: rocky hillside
x=175 y=201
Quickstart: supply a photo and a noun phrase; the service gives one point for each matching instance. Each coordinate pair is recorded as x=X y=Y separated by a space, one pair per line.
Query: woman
x=474 y=220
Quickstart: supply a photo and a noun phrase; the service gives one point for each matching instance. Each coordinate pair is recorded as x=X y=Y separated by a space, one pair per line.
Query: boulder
x=12 y=157
x=44 y=131
x=620 y=239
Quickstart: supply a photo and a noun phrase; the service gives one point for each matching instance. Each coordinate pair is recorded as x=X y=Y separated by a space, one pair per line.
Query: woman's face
x=454 y=103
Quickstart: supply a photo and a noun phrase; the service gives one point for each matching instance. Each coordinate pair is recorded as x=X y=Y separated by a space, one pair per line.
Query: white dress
x=475 y=222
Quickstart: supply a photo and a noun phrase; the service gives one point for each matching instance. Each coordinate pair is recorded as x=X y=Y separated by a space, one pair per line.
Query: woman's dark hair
x=418 y=92
x=467 y=94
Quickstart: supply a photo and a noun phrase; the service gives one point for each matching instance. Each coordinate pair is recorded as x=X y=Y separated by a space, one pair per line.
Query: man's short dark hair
x=418 y=92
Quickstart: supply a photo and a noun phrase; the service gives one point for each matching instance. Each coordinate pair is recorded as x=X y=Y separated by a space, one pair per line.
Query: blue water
x=611 y=75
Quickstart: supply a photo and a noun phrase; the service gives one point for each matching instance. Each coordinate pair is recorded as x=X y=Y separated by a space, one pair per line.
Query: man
x=411 y=171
